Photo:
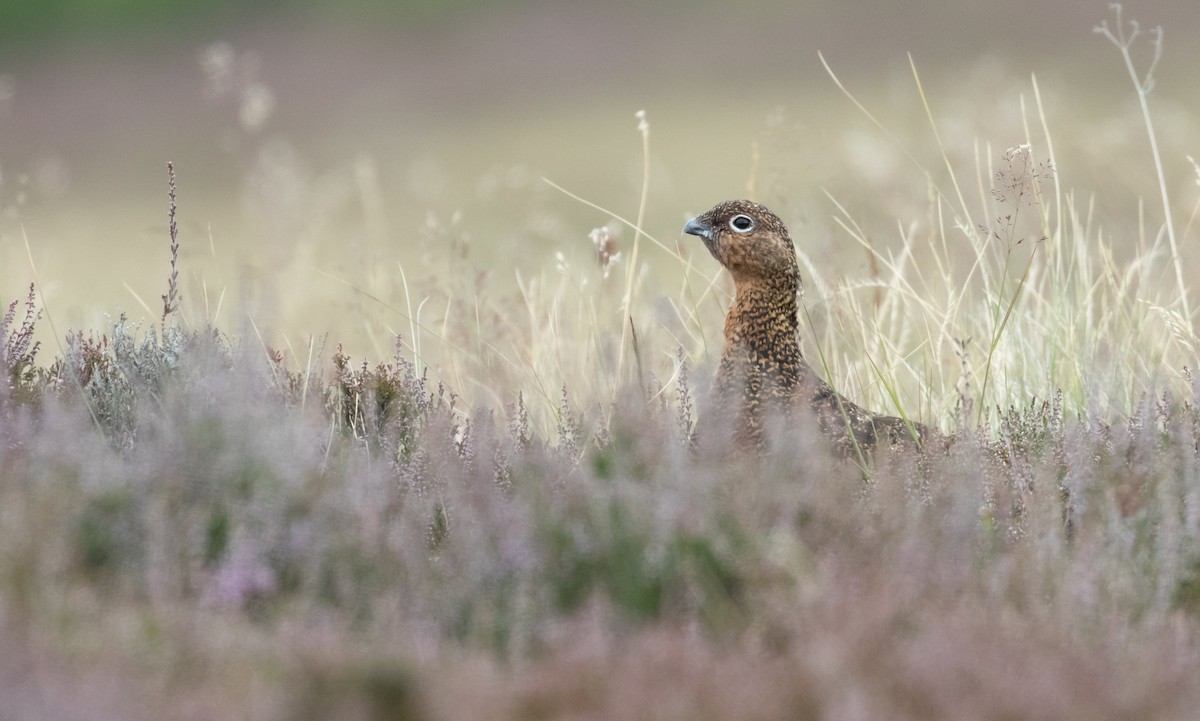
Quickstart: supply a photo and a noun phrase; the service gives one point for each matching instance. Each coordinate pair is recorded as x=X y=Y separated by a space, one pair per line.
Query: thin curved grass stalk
x=1143 y=85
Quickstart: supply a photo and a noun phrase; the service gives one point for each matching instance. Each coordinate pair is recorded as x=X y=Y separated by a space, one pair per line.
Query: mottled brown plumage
x=762 y=371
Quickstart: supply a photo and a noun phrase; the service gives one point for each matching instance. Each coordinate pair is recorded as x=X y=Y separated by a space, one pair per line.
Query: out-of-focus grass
x=489 y=518
x=339 y=173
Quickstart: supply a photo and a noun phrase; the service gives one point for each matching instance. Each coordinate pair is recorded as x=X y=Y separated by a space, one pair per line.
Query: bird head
x=749 y=240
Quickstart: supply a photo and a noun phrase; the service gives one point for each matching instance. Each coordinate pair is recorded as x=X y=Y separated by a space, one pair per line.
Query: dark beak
x=701 y=229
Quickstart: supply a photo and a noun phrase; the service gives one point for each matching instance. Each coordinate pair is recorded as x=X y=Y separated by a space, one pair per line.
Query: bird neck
x=762 y=324
x=761 y=369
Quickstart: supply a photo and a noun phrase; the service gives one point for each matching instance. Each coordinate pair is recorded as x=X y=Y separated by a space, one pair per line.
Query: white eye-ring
x=741 y=223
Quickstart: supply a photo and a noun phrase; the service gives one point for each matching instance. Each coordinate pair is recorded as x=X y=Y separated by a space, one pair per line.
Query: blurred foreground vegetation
x=191 y=530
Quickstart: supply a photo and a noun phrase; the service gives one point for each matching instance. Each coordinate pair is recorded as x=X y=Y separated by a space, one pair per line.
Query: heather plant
x=233 y=507
x=18 y=351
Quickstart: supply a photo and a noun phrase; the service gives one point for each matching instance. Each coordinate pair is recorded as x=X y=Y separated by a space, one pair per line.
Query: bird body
x=763 y=373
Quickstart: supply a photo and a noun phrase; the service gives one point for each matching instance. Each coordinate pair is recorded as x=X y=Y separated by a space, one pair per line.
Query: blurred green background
x=322 y=145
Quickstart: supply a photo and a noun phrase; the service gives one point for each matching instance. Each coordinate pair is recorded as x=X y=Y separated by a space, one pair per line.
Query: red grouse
x=762 y=372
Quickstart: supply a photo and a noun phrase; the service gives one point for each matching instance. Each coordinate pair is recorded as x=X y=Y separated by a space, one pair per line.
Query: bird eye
x=741 y=223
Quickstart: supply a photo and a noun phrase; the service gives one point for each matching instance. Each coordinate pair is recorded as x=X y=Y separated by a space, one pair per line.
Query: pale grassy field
x=487 y=506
